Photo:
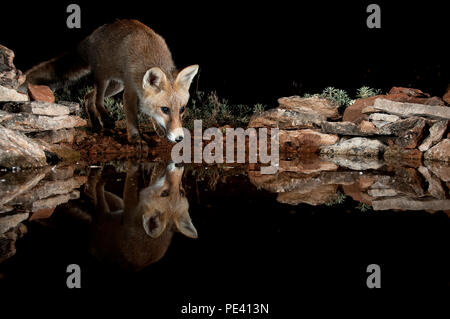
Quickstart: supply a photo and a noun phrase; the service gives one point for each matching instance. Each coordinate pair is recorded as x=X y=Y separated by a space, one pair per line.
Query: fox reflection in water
x=136 y=230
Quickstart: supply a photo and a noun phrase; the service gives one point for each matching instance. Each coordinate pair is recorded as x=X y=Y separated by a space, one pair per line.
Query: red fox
x=125 y=56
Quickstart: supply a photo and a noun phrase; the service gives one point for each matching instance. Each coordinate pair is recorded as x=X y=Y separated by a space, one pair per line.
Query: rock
x=52 y=137
x=346 y=128
x=19 y=150
x=60 y=172
x=436 y=132
x=286 y=119
x=8 y=241
x=435 y=188
x=321 y=195
x=33 y=123
x=401 y=128
x=412 y=109
x=47 y=189
x=384 y=117
x=40 y=93
x=14 y=184
x=11 y=221
x=357 y=192
x=4 y=116
x=395 y=154
x=408 y=91
x=439 y=152
x=310 y=165
x=382 y=192
x=325 y=107
x=357 y=146
x=306 y=140
x=7 y=94
x=359 y=110
x=446 y=96
x=380 y=124
x=406 y=203
x=367 y=127
x=408 y=138
x=354 y=163
x=10 y=77
x=353 y=113
x=37 y=107
x=53 y=201
x=406 y=181
x=74 y=108
x=42 y=213
x=440 y=169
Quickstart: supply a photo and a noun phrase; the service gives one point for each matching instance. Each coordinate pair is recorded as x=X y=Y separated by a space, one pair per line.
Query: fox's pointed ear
x=184 y=225
x=154 y=78
x=184 y=78
x=153 y=224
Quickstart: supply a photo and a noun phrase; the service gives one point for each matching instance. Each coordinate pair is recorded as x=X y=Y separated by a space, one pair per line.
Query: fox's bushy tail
x=59 y=71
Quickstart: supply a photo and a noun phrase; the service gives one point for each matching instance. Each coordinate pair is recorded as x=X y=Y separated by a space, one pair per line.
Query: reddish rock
x=395 y=156
x=306 y=140
x=446 y=96
x=353 y=113
x=367 y=127
x=408 y=91
x=325 y=107
x=42 y=213
x=439 y=152
x=357 y=192
x=40 y=93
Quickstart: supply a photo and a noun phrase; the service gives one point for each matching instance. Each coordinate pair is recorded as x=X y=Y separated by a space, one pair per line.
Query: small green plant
x=365 y=92
x=214 y=111
x=340 y=198
x=363 y=207
x=337 y=95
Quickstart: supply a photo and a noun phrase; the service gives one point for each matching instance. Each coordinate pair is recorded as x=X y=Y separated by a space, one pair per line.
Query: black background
x=253 y=52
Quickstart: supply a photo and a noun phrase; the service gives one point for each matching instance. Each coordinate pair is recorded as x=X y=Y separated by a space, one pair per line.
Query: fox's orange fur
x=125 y=56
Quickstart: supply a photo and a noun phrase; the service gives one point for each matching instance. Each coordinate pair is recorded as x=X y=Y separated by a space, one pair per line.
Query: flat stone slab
x=34 y=123
x=18 y=150
x=9 y=222
x=286 y=119
x=357 y=146
x=383 y=117
x=322 y=106
x=346 y=128
x=7 y=94
x=412 y=109
x=436 y=132
x=38 y=108
x=406 y=203
x=439 y=152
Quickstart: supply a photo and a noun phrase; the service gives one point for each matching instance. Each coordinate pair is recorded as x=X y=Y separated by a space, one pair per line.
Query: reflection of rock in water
x=8 y=241
x=373 y=183
x=136 y=230
x=36 y=192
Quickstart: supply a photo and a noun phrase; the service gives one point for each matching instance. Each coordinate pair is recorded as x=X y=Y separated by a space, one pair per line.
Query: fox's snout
x=165 y=99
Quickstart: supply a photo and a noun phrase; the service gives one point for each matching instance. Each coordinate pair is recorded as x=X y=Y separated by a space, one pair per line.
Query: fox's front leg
x=130 y=106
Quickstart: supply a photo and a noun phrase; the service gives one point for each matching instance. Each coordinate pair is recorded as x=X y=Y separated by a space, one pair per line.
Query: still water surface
x=216 y=234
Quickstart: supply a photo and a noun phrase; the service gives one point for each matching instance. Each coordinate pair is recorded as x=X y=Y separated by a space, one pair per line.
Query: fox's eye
x=182 y=110
x=165 y=110
x=165 y=193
